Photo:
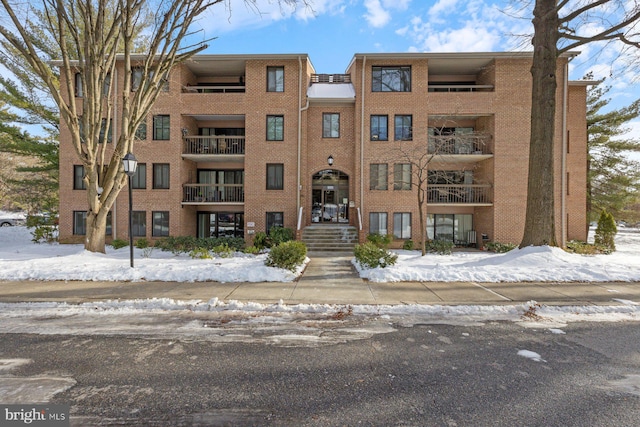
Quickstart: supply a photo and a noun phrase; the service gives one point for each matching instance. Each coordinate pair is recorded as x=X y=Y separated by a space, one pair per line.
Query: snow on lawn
x=535 y=263
x=21 y=259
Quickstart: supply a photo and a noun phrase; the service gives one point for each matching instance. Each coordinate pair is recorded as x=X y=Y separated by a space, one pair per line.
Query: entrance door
x=330 y=197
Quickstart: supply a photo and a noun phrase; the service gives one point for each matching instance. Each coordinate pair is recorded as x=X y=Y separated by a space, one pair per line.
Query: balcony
x=214 y=88
x=213 y=194
x=464 y=148
x=459 y=194
x=214 y=148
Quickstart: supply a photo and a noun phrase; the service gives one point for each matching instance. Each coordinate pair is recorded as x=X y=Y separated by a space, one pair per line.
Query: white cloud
x=442 y=7
x=376 y=16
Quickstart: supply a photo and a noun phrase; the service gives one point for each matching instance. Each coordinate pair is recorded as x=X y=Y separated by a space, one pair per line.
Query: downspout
x=114 y=222
x=362 y=119
x=563 y=172
x=299 y=160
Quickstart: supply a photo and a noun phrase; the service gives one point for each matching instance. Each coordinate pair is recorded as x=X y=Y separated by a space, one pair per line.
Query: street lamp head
x=330 y=160
x=130 y=164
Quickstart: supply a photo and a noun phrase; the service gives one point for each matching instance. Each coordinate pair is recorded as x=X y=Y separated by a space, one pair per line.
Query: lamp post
x=130 y=165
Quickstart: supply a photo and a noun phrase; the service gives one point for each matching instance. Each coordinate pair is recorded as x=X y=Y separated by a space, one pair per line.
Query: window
x=109 y=227
x=274 y=219
x=391 y=79
x=403 y=128
x=330 y=125
x=453 y=228
x=79 y=223
x=78 y=175
x=139 y=223
x=161 y=127
x=141 y=131
x=139 y=179
x=160 y=175
x=379 y=128
x=136 y=78
x=402 y=176
x=275 y=176
x=220 y=224
x=378 y=222
x=103 y=129
x=275 y=79
x=402 y=225
x=160 y=223
x=275 y=128
x=378 y=174
x=106 y=88
x=78 y=84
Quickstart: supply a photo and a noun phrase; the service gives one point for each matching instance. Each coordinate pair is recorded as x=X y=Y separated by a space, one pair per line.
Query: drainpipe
x=362 y=119
x=300 y=110
x=563 y=173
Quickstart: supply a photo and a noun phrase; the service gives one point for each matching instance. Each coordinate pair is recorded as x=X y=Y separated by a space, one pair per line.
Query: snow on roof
x=331 y=91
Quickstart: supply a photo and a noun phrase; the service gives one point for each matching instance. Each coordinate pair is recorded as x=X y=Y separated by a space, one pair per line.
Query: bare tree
x=92 y=35
x=557 y=30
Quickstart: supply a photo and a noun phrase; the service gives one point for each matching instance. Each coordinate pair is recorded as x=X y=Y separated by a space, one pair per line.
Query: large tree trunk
x=96 y=230
x=540 y=219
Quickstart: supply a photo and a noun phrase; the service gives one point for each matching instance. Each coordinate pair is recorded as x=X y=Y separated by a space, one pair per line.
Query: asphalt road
x=421 y=375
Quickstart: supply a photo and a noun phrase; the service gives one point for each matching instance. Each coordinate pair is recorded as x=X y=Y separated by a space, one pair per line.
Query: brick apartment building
x=240 y=143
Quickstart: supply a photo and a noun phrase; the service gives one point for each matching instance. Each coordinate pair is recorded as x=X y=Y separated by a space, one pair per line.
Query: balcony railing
x=472 y=143
x=459 y=194
x=459 y=88
x=213 y=89
x=330 y=78
x=213 y=193
x=214 y=145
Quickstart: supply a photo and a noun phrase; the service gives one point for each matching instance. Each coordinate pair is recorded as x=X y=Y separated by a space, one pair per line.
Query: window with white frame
x=330 y=125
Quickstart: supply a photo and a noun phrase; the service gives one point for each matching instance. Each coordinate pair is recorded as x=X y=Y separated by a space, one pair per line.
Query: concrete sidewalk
x=330 y=280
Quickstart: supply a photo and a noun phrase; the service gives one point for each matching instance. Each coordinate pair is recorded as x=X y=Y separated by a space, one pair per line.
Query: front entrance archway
x=330 y=197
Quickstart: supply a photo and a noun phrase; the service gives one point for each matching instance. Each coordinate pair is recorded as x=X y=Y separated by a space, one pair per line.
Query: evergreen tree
x=614 y=178
x=606 y=233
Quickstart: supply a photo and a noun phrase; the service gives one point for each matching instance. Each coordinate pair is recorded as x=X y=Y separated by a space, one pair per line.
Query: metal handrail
x=459 y=193
x=213 y=193
x=214 y=144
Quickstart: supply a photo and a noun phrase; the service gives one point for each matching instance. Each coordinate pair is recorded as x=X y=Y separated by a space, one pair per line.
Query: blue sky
x=335 y=30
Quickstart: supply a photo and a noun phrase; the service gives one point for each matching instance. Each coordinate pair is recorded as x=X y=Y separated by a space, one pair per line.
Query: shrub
x=582 y=248
x=288 y=255
x=440 y=247
x=119 y=243
x=500 y=248
x=141 y=243
x=45 y=228
x=185 y=244
x=606 y=233
x=279 y=235
x=371 y=256
x=223 y=250
x=407 y=245
x=260 y=240
x=380 y=240
x=252 y=250
x=146 y=252
x=200 y=253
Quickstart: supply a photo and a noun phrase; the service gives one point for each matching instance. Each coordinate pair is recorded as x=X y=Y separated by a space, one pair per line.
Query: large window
x=160 y=223
x=274 y=219
x=378 y=223
x=275 y=79
x=402 y=225
x=403 y=128
x=139 y=223
x=275 y=176
x=162 y=127
x=78 y=175
x=139 y=179
x=330 y=125
x=160 y=175
x=402 y=176
x=79 y=223
x=275 y=128
x=220 y=224
x=391 y=79
x=456 y=228
x=141 y=131
x=378 y=176
x=379 y=128
x=136 y=78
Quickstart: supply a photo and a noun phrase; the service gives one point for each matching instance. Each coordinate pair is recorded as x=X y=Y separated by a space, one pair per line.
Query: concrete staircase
x=330 y=240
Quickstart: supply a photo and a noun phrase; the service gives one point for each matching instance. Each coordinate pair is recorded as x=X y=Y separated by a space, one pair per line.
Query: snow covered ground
x=21 y=259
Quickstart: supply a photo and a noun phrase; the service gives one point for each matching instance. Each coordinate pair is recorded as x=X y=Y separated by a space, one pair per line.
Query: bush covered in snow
x=288 y=255
x=371 y=256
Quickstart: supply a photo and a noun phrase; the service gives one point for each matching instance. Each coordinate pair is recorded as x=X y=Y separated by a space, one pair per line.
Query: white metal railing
x=213 y=89
x=459 y=193
x=213 y=193
x=214 y=144
x=466 y=143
